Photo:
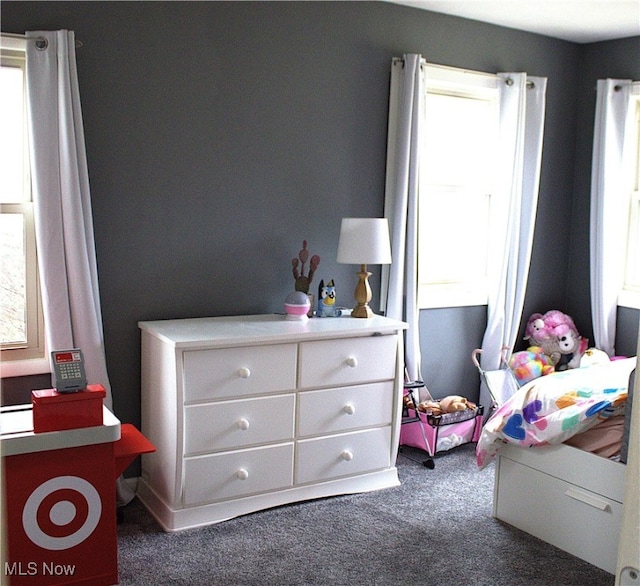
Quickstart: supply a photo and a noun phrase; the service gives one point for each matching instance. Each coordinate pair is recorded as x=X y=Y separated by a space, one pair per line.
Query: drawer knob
x=352 y=362
x=242 y=474
x=243 y=423
x=244 y=372
x=347 y=456
x=349 y=409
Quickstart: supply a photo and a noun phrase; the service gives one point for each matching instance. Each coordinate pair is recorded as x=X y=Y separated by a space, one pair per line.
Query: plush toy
x=327 y=300
x=453 y=403
x=594 y=356
x=558 y=337
x=449 y=404
x=570 y=347
x=535 y=329
x=430 y=406
x=541 y=327
x=529 y=364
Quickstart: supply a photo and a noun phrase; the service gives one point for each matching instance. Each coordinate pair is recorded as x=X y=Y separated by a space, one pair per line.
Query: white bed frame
x=564 y=496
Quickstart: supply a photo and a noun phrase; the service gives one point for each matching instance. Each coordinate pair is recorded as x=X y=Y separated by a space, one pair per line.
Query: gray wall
x=620 y=60
x=221 y=134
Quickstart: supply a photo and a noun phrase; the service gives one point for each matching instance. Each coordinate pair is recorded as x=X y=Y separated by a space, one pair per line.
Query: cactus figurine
x=303 y=282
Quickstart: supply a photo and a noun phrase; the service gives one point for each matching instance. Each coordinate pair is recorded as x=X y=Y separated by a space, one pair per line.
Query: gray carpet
x=434 y=530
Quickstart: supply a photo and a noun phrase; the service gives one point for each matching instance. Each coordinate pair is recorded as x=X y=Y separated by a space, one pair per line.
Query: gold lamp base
x=362 y=295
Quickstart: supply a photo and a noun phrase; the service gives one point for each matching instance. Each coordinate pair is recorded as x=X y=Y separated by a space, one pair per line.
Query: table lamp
x=364 y=241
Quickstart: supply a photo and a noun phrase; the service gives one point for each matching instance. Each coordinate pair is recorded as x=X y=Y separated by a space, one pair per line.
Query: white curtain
x=522 y=109
x=400 y=279
x=608 y=209
x=62 y=204
x=62 y=207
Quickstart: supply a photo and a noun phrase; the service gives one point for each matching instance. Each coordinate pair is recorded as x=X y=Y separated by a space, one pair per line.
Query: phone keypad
x=69 y=371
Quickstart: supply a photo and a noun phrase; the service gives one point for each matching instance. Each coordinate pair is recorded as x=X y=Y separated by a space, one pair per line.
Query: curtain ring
x=41 y=43
x=509 y=81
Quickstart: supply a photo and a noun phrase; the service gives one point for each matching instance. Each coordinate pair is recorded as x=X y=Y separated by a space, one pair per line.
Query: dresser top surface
x=240 y=329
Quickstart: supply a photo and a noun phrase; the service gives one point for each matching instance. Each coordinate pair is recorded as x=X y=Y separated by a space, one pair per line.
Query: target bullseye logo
x=61 y=513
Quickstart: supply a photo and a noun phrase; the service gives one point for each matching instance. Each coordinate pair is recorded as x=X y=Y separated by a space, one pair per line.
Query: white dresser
x=251 y=412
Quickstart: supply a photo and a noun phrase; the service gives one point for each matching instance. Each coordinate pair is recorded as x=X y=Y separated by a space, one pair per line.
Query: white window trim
x=27 y=367
x=24 y=366
x=11 y=42
x=457 y=82
x=629 y=296
x=447 y=295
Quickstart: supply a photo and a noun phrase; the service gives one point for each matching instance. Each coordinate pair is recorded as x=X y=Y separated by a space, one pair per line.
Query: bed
x=559 y=444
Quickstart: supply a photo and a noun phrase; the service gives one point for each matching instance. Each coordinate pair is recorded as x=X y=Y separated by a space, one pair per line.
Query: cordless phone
x=68 y=371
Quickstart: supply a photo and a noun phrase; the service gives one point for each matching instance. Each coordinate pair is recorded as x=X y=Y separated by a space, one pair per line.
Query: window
x=457 y=204
x=630 y=295
x=21 y=322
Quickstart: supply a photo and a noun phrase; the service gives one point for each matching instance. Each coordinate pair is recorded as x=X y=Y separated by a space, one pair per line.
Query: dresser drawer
x=344 y=408
x=236 y=474
x=342 y=455
x=570 y=517
x=233 y=424
x=347 y=361
x=237 y=372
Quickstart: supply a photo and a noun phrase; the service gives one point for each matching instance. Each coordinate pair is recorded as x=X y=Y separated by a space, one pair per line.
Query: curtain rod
x=41 y=42
x=508 y=80
x=530 y=84
x=618 y=87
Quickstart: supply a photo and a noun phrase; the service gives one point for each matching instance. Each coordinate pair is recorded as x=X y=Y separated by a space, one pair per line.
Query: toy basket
x=438 y=433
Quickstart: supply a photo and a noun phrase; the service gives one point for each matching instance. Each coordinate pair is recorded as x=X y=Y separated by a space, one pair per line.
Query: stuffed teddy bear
x=530 y=364
x=448 y=404
x=558 y=337
x=430 y=406
x=454 y=403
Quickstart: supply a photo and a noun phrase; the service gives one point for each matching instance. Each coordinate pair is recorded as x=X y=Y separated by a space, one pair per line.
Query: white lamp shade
x=364 y=241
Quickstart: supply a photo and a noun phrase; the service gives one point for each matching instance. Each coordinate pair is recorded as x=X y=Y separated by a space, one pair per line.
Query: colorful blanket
x=553 y=408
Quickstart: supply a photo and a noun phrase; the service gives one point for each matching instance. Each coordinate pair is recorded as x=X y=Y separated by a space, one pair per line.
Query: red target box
x=61 y=517
x=60 y=500
x=53 y=411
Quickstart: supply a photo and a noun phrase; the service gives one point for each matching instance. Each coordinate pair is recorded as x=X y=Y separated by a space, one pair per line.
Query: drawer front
x=343 y=455
x=344 y=408
x=236 y=474
x=236 y=372
x=234 y=424
x=347 y=361
x=594 y=473
x=578 y=521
